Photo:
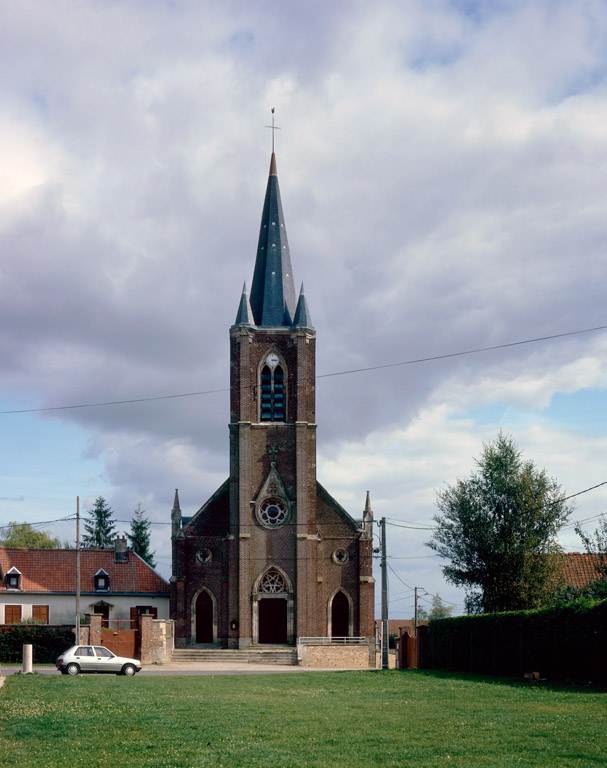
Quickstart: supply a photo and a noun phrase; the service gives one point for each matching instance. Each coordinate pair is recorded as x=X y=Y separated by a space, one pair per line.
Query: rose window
x=273 y=581
x=272 y=513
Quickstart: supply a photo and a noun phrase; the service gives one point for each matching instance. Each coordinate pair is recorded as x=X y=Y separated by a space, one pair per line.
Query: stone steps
x=248 y=656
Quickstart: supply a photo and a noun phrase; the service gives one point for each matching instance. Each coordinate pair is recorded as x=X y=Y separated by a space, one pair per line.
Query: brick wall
x=156 y=640
x=337 y=656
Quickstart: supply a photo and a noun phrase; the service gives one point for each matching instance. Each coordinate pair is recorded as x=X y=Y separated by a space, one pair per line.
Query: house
x=40 y=585
x=271 y=556
x=580 y=569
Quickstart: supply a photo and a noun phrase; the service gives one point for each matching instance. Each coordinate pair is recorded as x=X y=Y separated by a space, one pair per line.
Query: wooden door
x=340 y=616
x=204 y=618
x=273 y=621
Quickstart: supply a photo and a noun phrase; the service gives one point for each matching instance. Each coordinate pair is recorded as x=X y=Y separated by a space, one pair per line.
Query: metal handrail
x=332 y=640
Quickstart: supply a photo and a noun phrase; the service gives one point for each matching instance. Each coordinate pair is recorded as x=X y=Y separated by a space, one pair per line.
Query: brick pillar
x=146 y=638
x=94 y=628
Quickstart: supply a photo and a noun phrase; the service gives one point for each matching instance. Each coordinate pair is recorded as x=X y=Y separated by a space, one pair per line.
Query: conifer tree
x=99 y=527
x=140 y=536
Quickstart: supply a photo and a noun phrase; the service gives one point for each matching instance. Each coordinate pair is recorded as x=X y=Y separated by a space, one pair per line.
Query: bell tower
x=272 y=434
x=271 y=556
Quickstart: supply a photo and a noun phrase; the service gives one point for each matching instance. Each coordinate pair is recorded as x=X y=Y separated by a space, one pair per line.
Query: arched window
x=272 y=406
x=273 y=582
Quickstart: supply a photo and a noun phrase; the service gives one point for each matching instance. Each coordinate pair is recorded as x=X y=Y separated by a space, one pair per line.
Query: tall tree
x=498 y=530
x=140 y=536
x=99 y=526
x=439 y=609
x=23 y=535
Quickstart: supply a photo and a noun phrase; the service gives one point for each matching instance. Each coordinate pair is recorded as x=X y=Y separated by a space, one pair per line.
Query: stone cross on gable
x=273 y=451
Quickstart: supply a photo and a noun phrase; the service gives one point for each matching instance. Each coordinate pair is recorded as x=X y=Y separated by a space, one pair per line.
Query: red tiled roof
x=580 y=569
x=54 y=570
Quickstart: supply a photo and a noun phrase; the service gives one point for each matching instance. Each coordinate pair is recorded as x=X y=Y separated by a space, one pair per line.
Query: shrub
x=48 y=642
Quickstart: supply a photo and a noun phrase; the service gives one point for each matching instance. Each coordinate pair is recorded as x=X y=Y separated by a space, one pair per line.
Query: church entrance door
x=204 y=618
x=340 y=615
x=273 y=621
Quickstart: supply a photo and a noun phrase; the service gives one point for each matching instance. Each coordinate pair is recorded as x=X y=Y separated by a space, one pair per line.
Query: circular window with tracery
x=340 y=556
x=272 y=513
x=273 y=581
x=204 y=555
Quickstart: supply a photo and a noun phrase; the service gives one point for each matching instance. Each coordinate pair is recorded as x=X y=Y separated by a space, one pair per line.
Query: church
x=271 y=556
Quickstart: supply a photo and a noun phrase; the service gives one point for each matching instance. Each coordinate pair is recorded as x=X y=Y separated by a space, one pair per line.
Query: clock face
x=272 y=360
x=272 y=513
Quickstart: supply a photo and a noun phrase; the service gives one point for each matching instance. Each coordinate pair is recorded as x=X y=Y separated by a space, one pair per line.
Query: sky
x=443 y=172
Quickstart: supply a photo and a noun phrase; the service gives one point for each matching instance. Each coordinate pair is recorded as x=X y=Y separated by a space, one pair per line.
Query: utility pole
x=77 y=570
x=415 y=616
x=384 y=598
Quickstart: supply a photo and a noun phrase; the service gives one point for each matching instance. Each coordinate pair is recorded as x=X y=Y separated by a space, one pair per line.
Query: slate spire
x=244 y=315
x=302 y=317
x=273 y=289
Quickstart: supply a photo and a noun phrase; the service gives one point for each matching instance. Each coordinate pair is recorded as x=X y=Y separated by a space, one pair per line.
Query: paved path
x=196 y=668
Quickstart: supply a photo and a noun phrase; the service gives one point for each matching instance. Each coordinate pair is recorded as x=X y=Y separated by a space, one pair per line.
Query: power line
x=348 y=372
x=466 y=352
x=422 y=527
x=412 y=527
x=36 y=525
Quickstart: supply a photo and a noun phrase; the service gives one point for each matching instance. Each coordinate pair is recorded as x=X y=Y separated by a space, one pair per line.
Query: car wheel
x=72 y=669
x=128 y=670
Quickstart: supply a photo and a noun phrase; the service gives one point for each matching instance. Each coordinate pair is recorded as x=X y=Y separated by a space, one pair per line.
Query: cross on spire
x=274 y=128
x=273 y=451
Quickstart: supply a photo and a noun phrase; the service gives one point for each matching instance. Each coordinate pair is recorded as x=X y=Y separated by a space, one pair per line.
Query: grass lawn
x=346 y=719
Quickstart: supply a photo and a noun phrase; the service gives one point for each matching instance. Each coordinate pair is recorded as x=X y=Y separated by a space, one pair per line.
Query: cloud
x=441 y=168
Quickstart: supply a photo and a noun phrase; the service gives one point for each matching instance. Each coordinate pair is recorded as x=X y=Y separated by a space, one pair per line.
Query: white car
x=95 y=658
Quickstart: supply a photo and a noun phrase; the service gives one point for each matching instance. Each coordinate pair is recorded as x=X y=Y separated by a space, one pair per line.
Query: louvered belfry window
x=272 y=407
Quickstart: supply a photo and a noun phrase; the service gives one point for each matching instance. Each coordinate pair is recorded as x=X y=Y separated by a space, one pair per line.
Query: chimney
x=120 y=552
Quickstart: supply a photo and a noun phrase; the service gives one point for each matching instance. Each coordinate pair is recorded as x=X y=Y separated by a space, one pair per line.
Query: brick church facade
x=271 y=556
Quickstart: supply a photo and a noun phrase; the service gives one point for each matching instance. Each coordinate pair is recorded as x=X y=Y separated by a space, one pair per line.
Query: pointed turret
x=244 y=316
x=368 y=518
x=302 y=317
x=176 y=516
x=273 y=288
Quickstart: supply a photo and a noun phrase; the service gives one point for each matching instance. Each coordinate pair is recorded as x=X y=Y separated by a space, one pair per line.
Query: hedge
x=562 y=643
x=47 y=641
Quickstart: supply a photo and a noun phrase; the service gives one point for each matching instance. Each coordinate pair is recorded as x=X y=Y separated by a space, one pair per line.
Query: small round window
x=272 y=513
x=340 y=556
x=204 y=555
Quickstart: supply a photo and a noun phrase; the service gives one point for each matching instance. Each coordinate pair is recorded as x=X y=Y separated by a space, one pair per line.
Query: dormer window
x=273 y=403
x=12 y=580
x=102 y=581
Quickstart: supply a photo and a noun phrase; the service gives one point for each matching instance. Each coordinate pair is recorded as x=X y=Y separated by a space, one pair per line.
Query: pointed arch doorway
x=204 y=619
x=340 y=615
x=272 y=608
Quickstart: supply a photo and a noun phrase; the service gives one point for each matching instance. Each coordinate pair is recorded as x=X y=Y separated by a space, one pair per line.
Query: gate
x=117 y=638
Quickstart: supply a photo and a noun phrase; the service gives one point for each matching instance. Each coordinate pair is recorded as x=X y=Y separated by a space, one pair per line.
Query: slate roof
x=54 y=570
x=273 y=302
x=580 y=569
x=302 y=317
